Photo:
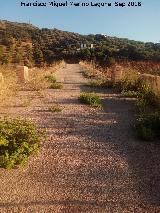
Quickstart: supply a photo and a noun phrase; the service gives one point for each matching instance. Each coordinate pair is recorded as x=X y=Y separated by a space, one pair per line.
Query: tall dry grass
x=92 y=70
x=148 y=67
x=8 y=86
x=37 y=80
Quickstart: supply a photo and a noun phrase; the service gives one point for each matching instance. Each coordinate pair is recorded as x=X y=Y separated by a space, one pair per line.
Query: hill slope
x=26 y=44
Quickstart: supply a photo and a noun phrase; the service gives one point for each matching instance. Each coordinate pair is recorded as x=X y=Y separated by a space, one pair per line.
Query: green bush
x=18 y=140
x=56 y=86
x=90 y=99
x=147 y=126
x=100 y=83
x=50 y=78
x=141 y=105
x=53 y=82
x=55 y=108
x=88 y=73
x=147 y=94
x=129 y=93
x=130 y=81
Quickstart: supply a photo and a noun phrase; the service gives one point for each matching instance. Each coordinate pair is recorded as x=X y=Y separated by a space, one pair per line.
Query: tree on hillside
x=38 y=56
x=28 y=60
x=19 y=57
x=1 y=52
x=5 y=59
x=85 y=54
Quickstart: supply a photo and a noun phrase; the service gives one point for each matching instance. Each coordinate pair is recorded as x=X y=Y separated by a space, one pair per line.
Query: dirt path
x=91 y=162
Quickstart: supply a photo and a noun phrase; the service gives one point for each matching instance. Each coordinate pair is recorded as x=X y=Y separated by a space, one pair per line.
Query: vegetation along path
x=91 y=161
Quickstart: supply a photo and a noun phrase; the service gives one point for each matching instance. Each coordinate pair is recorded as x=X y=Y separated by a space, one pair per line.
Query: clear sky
x=138 y=23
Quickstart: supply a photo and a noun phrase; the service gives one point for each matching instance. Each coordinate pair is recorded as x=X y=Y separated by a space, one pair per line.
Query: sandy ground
x=91 y=161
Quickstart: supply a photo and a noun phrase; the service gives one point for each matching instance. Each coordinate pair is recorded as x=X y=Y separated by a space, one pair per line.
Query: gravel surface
x=91 y=161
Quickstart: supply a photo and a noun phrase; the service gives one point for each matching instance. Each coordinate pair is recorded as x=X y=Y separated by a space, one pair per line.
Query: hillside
x=23 y=43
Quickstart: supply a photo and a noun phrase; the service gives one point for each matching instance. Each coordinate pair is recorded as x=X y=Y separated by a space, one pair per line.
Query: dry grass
x=130 y=75
x=37 y=77
x=37 y=80
x=8 y=86
x=93 y=71
x=148 y=67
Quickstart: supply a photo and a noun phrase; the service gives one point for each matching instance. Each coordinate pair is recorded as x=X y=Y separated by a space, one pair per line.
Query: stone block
x=22 y=74
x=117 y=74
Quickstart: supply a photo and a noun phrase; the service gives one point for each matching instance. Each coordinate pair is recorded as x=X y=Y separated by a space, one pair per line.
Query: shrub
x=147 y=94
x=18 y=140
x=55 y=108
x=50 y=78
x=88 y=73
x=130 y=81
x=90 y=98
x=129 y=93
x=110 y=61
x=56 y=86
x=101 y=83
x=141 y=105
x=147 y=126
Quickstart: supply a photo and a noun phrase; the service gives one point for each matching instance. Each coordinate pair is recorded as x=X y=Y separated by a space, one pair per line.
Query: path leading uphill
x=91 y=162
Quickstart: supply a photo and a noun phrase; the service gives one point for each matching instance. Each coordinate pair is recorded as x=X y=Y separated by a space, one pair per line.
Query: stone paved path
x=91 y=162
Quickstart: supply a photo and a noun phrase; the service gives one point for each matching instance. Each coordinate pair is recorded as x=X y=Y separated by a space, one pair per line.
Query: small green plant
x=129 y=93
x=50 y=78
x=147 y=126
x=100 y=83
x=130 y=81
x=90 y=99
x=147 y=94
x=88 y=73
x=55 y=108
x=40 y=93
x=56 y=86
x=18 y=140
x=141 y=106
x=26 y=103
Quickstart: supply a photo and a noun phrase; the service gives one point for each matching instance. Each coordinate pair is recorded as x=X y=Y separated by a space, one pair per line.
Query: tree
x=1 y=52
x=38 y=56
x=85 y=54
x=18 y=57
x=28 y=55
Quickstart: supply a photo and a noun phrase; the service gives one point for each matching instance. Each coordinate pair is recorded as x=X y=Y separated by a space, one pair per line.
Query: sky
x=137 y=23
